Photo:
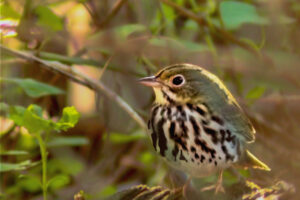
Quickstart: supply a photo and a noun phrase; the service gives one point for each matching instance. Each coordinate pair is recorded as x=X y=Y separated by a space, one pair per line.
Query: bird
x=196 y=124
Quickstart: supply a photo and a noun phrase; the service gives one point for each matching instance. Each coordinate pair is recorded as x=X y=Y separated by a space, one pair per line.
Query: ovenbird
x=196 y=124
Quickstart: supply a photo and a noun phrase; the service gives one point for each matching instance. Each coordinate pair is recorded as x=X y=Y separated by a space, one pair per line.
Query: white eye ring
x=177 y=80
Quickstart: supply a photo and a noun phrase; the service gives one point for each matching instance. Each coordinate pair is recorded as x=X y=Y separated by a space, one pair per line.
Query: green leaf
x=4 y=167
x=65 y=164
x=8 y=12
x=30 y=118
x=69 y=118
x=33 y=121
x=124 y=138
x=234 y=14
x=194 y=46
x=16 y=114
x=68 y=141
x=108 y=190
x=4 y=107
x=146 y=158
x=58 y=181
x=34 y=88
x=256 y=93
x=13 y=152
x=48 y=19
x=124 y=31
x=30 y=183
x=166 y=42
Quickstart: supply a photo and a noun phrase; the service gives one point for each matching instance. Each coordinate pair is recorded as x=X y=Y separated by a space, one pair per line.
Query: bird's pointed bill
x=150 y=81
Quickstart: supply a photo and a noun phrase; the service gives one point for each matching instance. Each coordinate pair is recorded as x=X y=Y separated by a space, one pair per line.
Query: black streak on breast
x=162 y=140
x=182 y=157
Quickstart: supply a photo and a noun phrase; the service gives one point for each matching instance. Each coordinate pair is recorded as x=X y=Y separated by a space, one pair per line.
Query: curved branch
x=80 y=78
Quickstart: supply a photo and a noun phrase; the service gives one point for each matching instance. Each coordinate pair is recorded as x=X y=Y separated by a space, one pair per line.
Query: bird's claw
x=218 y=188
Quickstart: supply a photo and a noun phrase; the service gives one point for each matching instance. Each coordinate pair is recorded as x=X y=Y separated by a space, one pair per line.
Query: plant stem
x=44 y=164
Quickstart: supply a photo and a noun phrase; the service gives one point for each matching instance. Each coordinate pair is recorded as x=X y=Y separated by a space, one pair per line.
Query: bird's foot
x=218 y=187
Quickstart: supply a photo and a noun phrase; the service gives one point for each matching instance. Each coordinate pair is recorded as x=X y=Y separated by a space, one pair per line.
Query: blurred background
x=252 y=45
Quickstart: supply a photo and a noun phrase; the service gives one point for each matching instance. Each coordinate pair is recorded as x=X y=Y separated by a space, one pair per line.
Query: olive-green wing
x=238 y=121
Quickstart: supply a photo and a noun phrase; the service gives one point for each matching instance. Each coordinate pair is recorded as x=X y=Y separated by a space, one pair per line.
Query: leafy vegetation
x=50 y=49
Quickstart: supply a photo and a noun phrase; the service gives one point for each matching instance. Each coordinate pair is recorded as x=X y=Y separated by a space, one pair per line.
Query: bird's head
x=185 y=83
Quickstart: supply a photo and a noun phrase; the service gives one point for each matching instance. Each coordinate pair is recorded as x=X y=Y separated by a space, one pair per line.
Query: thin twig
x=202 y=22
x=76 y=76
x=117 y=6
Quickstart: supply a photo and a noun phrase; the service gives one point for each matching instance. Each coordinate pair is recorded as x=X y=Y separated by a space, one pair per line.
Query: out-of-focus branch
x=80 y=78
x=117 y=6
x=202 y=22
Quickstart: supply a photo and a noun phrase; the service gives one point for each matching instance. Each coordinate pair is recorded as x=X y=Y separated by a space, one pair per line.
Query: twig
x=80 y=78
x=202 y=22
x=117 y=6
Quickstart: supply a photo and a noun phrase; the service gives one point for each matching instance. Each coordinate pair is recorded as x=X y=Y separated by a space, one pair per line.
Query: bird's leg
x=185 y=187
x=218 y=186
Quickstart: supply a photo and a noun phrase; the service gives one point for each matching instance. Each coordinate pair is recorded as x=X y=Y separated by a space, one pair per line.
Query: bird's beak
x=150 y=81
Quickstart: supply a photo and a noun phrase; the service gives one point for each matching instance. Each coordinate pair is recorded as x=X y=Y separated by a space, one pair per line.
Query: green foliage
x=124 y=31
x=234 y=14
x=67 y=141
x=16 y=166
x=119 y=138
x=29 y=183
x=146 y=158
x=8 y=12
x=32 y=119
x=255 y=93
x=58 y=182
x=13 y=152
x=108 y=191
x=34 y=88
x=48 y=19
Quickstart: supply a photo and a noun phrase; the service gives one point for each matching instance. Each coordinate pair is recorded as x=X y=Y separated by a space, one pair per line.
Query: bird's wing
x=238 y=121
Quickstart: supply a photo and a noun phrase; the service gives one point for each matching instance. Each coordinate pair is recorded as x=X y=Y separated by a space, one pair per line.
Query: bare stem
x=80 y=78
x=44 y=164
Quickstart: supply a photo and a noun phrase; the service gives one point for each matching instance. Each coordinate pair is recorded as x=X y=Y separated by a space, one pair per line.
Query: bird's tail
x=249 y=160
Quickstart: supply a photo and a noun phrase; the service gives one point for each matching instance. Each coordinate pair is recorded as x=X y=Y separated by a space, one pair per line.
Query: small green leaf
x=108 y=190
x=30 y=183
x=146 y=158
x=68 y=120
x=33 y=121
x=194 y=46
x=256 y=92
x=124 y=138
x=47 y=18
x=16 y=114
x=234 y=14
x=124 y=31
x=66 y=165
x=34 y=88
x=166 y=42
x=67 y=141
x=4 y=167
x=58 y=181
x=13 y=152
x=8 y=12
x=4 y=107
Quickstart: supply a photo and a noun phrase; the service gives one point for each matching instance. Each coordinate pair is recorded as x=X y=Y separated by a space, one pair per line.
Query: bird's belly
x=192 y=142
x=197 y=167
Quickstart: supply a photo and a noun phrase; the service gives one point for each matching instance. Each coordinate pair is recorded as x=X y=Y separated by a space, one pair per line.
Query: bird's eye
x=177 y=80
